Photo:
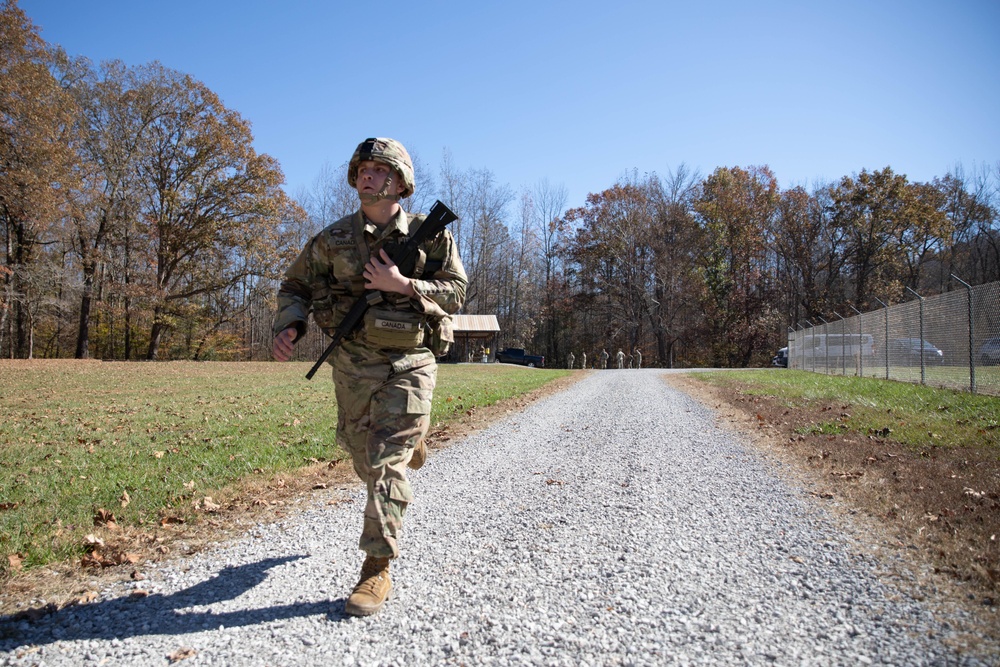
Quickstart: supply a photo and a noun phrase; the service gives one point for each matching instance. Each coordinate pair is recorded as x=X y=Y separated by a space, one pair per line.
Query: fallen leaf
x=105 y=518
x=159 y=455
x=210 y=505
x=14 y=562
x=181 y=654
x=92 y=559
x=125 y=499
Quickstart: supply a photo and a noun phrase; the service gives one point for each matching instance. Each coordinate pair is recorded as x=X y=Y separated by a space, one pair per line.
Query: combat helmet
x=390 y=152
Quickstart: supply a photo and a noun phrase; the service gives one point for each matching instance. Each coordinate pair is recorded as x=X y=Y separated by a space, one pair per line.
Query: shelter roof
x=475 y=323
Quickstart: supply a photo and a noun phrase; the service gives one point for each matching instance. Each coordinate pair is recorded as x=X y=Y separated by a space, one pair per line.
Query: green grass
x=915 y=415
x=947 y=377
x=78 y=436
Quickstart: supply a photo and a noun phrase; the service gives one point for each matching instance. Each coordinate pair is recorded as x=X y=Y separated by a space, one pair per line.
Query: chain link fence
x=947 y=340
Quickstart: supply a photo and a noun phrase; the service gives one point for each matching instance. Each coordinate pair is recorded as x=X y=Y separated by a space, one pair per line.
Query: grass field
x=987 y=378
x=912 y=414
x=83 y=443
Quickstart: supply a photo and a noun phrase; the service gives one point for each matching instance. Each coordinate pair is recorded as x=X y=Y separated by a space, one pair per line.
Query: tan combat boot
x=419 y=456
x=373 y=589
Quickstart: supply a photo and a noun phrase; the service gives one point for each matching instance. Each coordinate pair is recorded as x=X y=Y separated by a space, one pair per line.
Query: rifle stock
x=439 y=217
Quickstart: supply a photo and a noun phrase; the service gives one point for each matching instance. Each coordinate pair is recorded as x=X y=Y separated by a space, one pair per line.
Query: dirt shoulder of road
x=931 y=517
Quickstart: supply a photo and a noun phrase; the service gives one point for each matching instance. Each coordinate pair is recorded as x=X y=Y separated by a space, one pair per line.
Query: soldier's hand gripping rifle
x=439 y=218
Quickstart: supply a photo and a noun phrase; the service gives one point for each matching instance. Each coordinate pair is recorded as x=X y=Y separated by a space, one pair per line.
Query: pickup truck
x=515 y=355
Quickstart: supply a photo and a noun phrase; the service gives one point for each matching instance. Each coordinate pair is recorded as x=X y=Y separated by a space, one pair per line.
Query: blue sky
x=580 y=93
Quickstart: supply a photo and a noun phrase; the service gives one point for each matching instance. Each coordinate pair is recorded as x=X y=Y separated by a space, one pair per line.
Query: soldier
x=620 y=357
x=604 y=359
x=569 y=360
x=384 y=373
x=583 y=360
x=638 y=358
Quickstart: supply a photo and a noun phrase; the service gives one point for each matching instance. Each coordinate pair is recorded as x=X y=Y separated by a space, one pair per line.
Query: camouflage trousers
x=381 y=416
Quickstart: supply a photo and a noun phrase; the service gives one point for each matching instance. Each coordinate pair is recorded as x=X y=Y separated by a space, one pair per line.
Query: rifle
x=435 y=222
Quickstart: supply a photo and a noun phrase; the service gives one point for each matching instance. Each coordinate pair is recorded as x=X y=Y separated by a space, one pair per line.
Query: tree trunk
x=83 y=334
x=154 y=336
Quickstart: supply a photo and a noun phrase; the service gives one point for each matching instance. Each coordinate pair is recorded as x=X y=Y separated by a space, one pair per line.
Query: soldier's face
x=372 y=175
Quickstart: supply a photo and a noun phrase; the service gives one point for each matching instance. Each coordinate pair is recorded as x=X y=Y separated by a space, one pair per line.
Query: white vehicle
x=836 y=347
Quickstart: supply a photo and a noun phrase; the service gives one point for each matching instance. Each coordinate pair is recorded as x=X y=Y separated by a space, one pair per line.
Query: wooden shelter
x=471 y=333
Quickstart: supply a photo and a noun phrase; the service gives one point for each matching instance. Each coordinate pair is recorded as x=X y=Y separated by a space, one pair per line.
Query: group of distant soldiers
x=633 y=360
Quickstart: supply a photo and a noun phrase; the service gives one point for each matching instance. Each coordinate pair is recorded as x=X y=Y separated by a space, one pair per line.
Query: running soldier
x=385 y=372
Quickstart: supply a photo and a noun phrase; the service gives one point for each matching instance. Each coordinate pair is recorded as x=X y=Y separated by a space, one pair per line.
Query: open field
x=98 y=457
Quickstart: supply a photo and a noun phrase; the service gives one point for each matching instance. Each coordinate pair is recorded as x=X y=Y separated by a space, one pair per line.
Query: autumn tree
x=972 y=246
x=735 y=208
x=547 y=203
x=889 y=227
x=810 y=254
x=614 y=263
x=36 y=162
x=673 y=308
x=208 y=202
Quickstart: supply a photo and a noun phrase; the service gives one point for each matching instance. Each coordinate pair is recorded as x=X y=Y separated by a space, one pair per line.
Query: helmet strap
x=369 y=198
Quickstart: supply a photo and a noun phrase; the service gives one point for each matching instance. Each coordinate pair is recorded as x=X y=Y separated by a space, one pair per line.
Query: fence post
x=843 y=336
x=813 y=339
x=886 y=341
x=972 y=336
x=923 y=371
x=826 y=345
x=861 y=354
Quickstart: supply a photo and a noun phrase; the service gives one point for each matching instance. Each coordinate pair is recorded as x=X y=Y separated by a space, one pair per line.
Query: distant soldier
x=630 y=360
x=638 y=359
x=569 y=361
x=583 y=360
x=620 y=358
x=604 y=358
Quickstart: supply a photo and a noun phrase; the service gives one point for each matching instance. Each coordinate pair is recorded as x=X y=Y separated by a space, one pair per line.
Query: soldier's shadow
x=165 y=614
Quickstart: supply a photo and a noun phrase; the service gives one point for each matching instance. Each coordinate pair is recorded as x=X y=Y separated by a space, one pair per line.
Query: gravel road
x=614 y=523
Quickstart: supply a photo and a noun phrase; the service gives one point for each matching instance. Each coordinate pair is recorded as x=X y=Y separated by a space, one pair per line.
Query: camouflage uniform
x=604 y=359
x=620 y=358
x=583 y=360
x=384 y=373
x=638 y=359
x=569 y=360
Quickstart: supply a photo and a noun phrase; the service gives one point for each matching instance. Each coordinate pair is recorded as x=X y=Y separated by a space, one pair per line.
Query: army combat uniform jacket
x=385 y=372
